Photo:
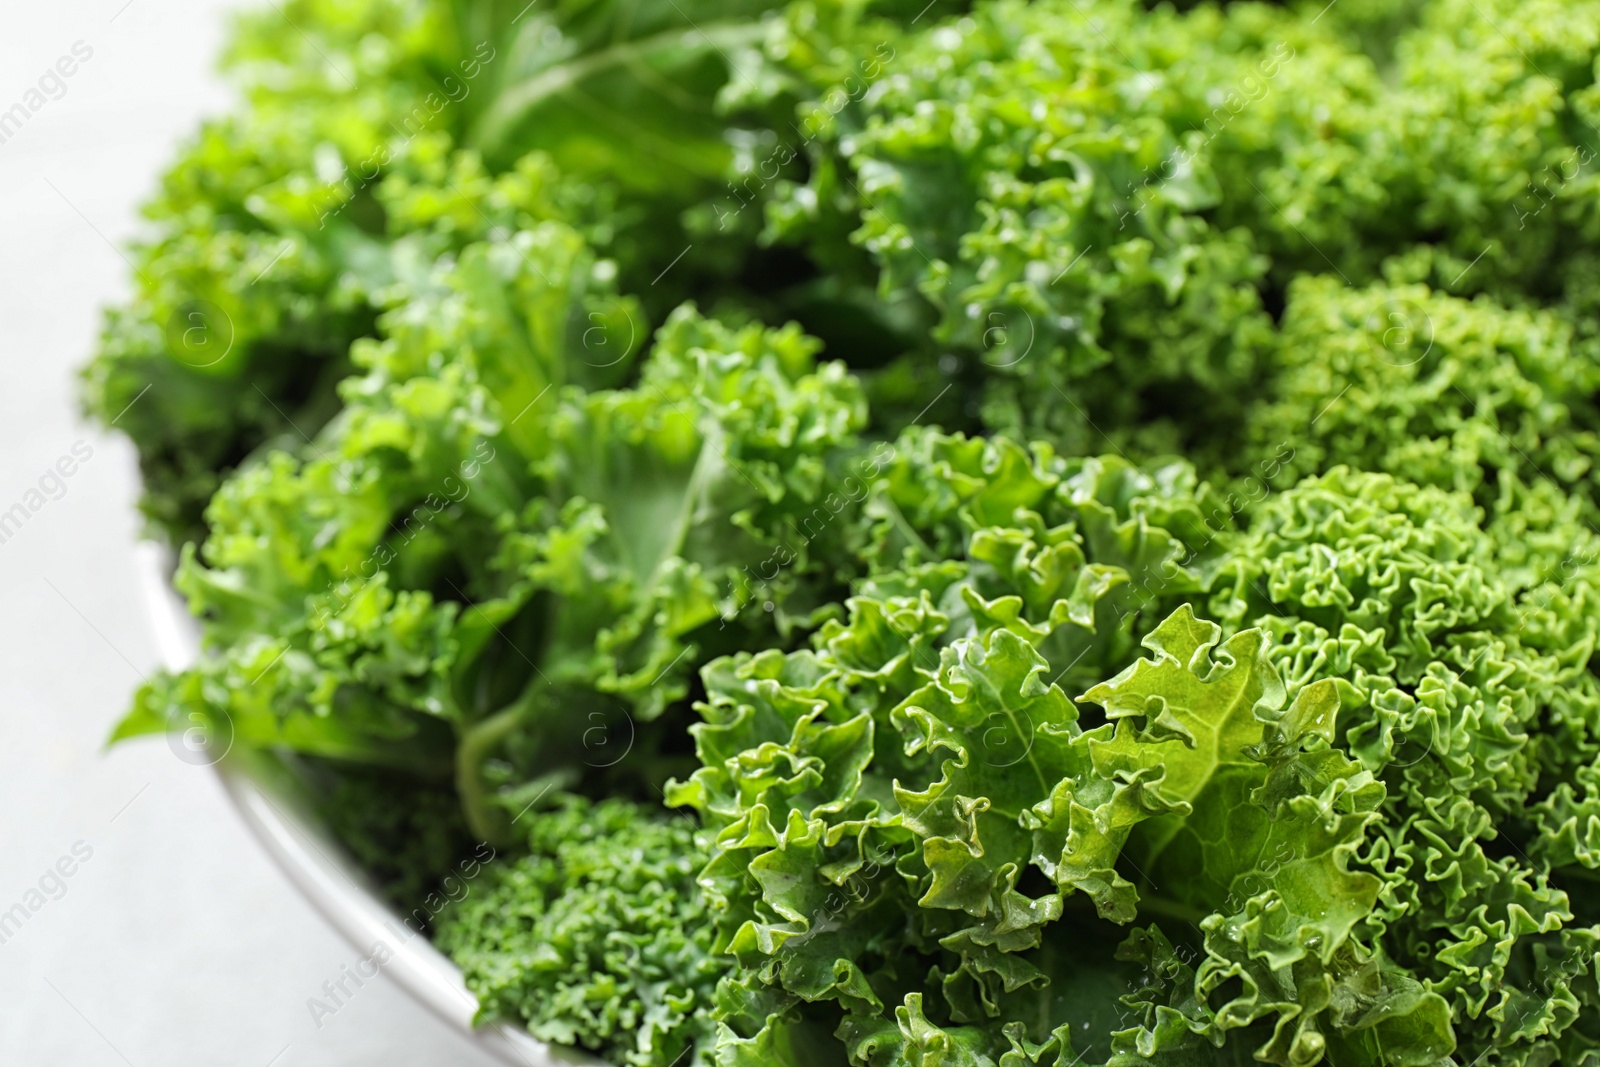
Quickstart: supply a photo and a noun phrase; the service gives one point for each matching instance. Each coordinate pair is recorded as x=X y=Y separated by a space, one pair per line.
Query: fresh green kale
x=1320 y=818
x=378 y=135
x=597 y=937
x=889 y=805
x=573 y=409
x=1023 y=194
x=481 y=568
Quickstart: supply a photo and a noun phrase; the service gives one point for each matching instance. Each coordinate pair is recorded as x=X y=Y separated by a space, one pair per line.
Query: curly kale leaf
x=281 y=231
x=597 y=937
x=481 y=548
x=1468 y=396
x=1462 y=693
x=879 y=799
x=1350 y=819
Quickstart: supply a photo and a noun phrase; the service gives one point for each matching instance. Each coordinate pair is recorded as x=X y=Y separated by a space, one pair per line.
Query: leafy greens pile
x=972 y=535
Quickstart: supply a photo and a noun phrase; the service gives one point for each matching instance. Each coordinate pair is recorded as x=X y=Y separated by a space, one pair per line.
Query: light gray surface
x=177 y=942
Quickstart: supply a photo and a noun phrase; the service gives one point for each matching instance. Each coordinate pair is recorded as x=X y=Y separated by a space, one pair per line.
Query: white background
x=177 y=943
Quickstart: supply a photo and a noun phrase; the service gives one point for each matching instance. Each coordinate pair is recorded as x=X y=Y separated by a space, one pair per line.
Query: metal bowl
x=274 y=803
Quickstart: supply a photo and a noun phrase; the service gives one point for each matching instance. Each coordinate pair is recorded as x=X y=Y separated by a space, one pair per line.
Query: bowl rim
x=261 y=787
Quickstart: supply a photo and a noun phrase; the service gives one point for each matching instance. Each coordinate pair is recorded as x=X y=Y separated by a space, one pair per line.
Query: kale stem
x=487 y=822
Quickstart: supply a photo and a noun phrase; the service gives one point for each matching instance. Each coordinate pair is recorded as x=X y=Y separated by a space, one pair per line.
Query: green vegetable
x=907 y=839
x=473 y=546
x=878 y=799
x=1468 y=695
x=360 y=159
x=596 y=937
x=1085 y=510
